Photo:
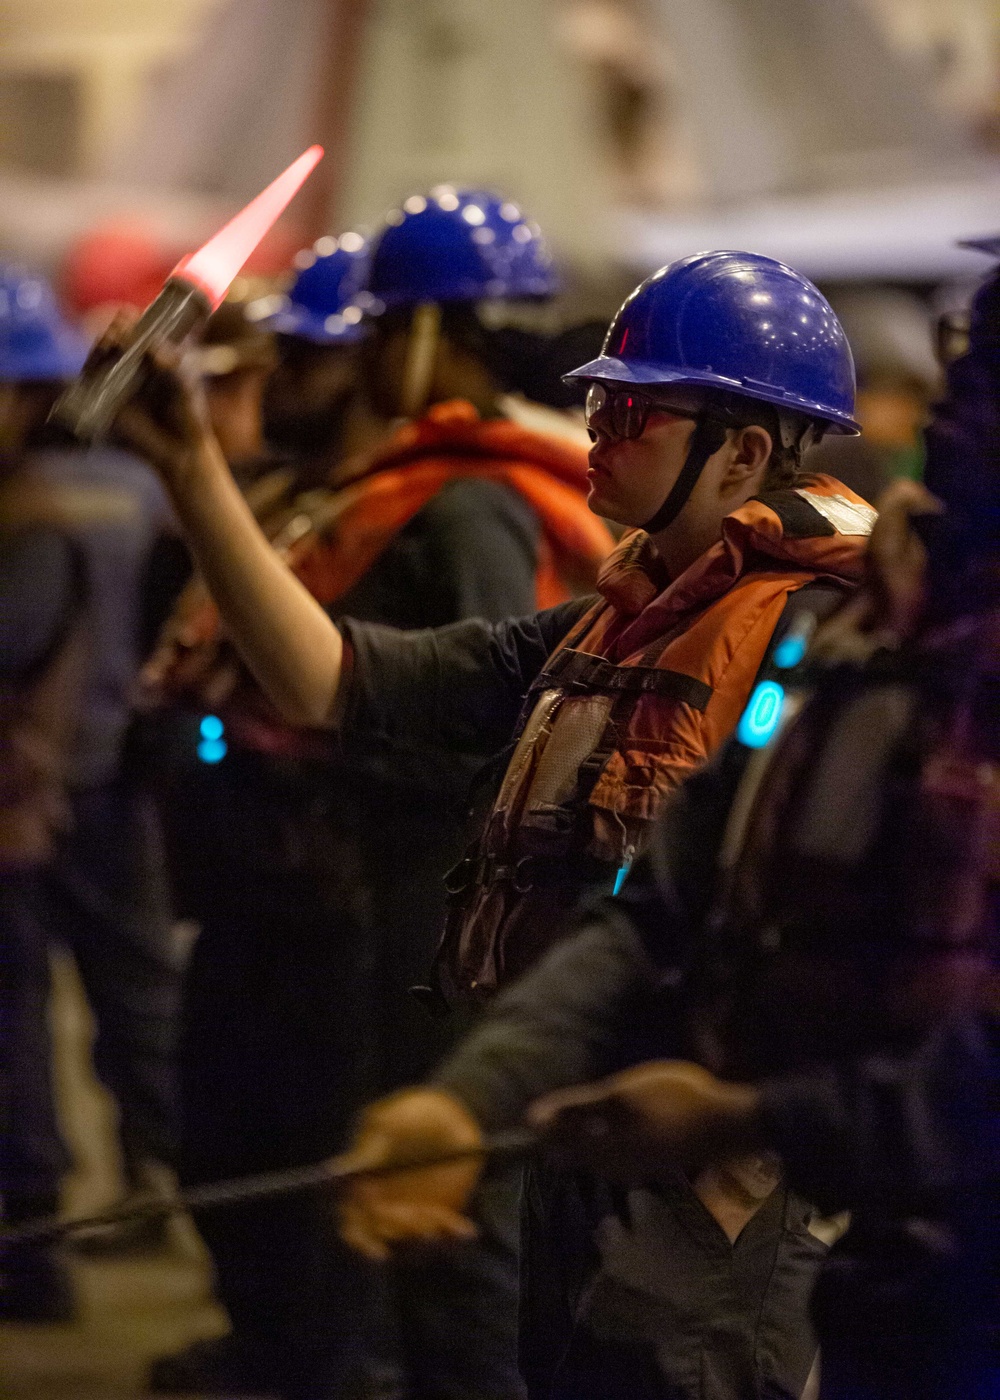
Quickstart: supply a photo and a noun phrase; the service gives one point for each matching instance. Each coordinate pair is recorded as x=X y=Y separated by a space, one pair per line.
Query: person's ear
x=750 y=452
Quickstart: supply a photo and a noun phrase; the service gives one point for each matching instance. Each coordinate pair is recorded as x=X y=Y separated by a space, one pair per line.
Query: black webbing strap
x=524 y=873
x=580 y=671
x=542 y=680
x=799 y=519
x=708 y=437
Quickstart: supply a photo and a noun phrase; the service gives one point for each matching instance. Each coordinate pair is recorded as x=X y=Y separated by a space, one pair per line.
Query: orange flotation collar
x=451 y=442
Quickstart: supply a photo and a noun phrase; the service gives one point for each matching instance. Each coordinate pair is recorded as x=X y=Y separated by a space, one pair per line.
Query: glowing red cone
x=215 y=265
x=89 y=405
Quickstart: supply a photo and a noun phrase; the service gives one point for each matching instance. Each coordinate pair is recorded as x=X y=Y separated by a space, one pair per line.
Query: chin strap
x=708 y=437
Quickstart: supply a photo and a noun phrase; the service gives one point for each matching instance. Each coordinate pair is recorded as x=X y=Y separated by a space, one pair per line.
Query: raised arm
x=283 y=635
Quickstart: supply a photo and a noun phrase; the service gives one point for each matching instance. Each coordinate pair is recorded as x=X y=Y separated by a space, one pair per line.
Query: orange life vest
x=451 y=442
x=644 y=689
x=331 y=537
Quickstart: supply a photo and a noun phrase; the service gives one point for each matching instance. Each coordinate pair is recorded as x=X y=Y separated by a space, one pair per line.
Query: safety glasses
x=623 y=413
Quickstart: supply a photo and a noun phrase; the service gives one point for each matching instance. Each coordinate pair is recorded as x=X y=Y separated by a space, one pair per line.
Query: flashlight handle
x=89 y=406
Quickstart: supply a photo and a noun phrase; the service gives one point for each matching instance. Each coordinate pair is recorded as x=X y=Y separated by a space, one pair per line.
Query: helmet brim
x=607 y=368
x=982 y=245
x=55 y=366
x=304 y=325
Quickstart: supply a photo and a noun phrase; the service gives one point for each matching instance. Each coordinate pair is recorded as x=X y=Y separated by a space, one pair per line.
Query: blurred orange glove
x=422 y=1205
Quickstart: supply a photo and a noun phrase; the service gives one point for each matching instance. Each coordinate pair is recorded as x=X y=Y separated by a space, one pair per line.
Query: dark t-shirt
x=432 y=699
x=471 y=551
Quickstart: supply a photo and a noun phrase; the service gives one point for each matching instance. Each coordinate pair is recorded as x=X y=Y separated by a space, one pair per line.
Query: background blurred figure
x=312 y=409
x=892 y=338
x=98 y=886
x=119 y=262
x=322 y=864
x=42 y=657
x=235 y=360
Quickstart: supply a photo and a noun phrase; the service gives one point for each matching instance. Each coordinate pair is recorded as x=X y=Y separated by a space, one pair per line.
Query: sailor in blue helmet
x=304 y=963
x=311 y=404
x=845 y=978
x=716 y=376
x=40 y=573
x=440 y=258
x=78 y=858
x=724 y=344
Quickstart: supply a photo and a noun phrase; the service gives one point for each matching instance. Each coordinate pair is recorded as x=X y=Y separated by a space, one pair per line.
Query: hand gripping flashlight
x=197 y=285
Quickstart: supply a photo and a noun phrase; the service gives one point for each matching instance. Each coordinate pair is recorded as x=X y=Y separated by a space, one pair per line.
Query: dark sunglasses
x=623 y=413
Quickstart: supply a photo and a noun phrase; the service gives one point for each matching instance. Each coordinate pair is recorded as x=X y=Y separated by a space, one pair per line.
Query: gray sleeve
x=39 y=594
x=561 y=1024
x=458 y=687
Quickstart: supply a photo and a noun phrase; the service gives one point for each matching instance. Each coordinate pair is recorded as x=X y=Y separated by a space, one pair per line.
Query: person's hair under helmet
x=737 y=339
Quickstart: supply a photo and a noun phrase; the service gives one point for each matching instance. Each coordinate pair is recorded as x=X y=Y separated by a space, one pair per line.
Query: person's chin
x=604 y=504
x=600 y=500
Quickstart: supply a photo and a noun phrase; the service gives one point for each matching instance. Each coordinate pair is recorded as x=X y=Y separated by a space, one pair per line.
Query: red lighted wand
x=197 y=285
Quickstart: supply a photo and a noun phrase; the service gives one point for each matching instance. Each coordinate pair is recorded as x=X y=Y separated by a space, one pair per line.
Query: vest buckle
x=522 y=883
x=460 y=876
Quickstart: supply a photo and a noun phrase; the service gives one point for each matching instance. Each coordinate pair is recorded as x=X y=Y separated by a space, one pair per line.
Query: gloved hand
x=167 y=421
x=634 y=1126
x=425 y=1205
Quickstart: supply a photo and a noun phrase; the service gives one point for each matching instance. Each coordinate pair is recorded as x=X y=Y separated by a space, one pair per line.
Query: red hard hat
x=120 y=263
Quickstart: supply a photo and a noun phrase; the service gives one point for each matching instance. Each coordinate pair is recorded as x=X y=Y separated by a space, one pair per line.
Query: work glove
x=645 y=1122
x=167 y=421
x=425 y=1205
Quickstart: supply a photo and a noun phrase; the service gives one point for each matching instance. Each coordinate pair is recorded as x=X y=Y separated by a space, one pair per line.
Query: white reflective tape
x=846 y=517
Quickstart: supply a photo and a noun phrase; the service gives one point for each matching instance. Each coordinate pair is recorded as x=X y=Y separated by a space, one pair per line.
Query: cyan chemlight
x=212 y=750
x=762 y=714
x=789 y=651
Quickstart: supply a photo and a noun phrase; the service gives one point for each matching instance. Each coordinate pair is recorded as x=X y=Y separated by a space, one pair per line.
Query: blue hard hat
x=325 y=303
x=459 y=245
x=36 y=341
x=734 y=322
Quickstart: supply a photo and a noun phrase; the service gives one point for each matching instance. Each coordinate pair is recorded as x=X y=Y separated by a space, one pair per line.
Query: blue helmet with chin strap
x=458 y=245
x=731 y=324
x=36 y=341
x=736 y=323
x=325 y=303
